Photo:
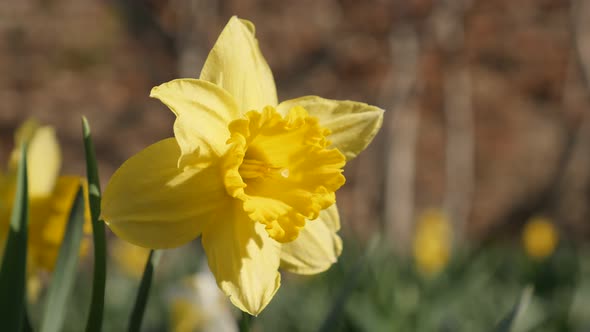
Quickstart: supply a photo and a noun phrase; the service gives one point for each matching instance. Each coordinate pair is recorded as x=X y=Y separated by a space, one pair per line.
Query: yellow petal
x=44 y=157
x=244 y=260
x=236 y=64
x=353 y=124
x=152 y=203
x=317 y=247
x=203 y=112
x=48 y=220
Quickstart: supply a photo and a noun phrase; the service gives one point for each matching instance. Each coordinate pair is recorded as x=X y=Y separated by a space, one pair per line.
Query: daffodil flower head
x=255 y=177
x=51 y=196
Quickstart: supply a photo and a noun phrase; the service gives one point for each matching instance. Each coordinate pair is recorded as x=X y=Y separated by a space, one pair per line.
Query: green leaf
x=509 y=321
x=14 y=264
x=143 y=292
x=64 y=275
x=95 y=316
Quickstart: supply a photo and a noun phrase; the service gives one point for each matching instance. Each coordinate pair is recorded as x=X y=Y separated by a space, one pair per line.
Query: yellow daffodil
x=255 y=178
x=432 y=242
x=540 y=238
x=51 y=197
x=198 y=305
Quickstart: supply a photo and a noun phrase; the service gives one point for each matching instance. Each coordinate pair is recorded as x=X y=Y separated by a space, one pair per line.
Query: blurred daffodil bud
x=51 y=196
x=540 y=237
x=432 y=242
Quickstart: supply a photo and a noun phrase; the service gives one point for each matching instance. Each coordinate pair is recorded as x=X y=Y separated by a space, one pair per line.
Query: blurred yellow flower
x=129 y=258
x=540 y=237
x=244 y=171
x=51 y=197
x=198 y=305
x=432 y=242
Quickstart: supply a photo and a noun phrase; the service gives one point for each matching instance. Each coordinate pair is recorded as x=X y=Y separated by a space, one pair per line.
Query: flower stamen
x=255 y=169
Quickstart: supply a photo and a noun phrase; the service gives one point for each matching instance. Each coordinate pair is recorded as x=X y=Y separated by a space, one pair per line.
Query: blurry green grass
x=473 y=293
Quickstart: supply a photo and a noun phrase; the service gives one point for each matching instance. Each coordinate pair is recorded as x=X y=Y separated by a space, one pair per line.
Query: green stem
x=143 y=292
x=27 y=326
x=245 y=322
x=95 y=317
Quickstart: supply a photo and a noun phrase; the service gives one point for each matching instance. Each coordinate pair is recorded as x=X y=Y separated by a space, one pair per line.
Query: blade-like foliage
x=507 y=323
x=14 y=263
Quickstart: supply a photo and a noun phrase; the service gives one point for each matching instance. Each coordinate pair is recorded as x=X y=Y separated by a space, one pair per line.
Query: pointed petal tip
x=237 y=65
x=244 y=260
x=353 y=124
x=249 y=25
x=154 y=91
x=250 y=308
x=237 y=20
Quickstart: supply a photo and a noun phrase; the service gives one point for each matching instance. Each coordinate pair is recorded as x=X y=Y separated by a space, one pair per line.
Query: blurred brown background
x=487 y=101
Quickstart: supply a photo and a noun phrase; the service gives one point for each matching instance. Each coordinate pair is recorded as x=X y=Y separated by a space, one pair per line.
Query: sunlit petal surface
x=352 y=124
x=152 y=203
x=317 y=247
x=244 y=259
x=203 y=111
x=236 y=64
